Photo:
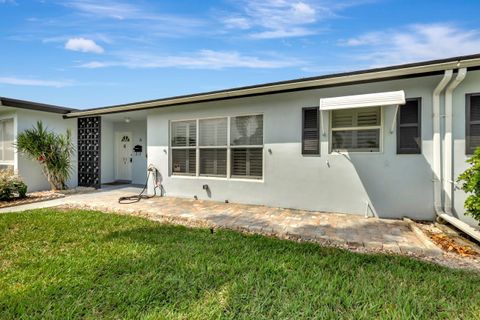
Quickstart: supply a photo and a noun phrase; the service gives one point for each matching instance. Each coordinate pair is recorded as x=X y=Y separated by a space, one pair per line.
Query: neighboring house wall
x=394 y=185
x=30 y=170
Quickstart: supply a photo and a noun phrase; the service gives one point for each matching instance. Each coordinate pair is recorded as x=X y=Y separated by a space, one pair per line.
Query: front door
x=124 y=156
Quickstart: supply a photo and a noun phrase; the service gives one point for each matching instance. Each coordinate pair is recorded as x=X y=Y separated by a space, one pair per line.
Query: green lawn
x=84 y=264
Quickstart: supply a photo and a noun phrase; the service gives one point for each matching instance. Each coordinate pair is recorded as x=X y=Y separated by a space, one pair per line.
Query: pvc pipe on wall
x=437 y=153
x=448 y=151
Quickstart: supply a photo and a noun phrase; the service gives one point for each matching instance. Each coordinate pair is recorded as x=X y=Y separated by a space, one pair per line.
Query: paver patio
x=370 y=234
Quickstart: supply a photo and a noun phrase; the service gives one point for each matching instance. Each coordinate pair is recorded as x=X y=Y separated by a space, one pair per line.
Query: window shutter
x=311 y=131
x=409 y=127
x=472 y=125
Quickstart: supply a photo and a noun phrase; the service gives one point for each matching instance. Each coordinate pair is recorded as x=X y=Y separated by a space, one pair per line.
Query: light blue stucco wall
x=30 y=170
x=394 y=185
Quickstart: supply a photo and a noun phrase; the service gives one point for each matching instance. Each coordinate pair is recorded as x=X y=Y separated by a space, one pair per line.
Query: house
x=386 y=142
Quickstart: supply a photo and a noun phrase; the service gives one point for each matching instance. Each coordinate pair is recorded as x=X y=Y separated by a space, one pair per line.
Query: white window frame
x=228 y=147
x=12 y=162
x=331 y=130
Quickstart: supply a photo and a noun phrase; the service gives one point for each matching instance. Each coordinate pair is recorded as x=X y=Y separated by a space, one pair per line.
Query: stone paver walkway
x=353 y=231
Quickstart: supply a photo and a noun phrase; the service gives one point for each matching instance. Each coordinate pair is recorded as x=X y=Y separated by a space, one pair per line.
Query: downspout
x=448 y=182
x=437 y=154
x=475 y=234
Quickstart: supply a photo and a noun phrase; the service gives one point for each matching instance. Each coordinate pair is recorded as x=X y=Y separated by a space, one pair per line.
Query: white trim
x=363 y=100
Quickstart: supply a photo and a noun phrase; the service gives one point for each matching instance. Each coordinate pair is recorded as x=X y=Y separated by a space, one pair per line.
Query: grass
x=84 y=264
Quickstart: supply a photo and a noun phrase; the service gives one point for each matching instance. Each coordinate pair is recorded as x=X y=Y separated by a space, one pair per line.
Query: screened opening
x=356 y=130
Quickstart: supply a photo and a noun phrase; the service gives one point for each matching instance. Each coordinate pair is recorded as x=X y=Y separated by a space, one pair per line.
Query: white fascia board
x=363 y=100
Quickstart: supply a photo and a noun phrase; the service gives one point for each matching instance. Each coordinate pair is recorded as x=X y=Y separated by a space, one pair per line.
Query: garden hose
x=152 y=171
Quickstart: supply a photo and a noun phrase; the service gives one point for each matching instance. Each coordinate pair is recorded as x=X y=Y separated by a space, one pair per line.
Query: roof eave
x=302 y=84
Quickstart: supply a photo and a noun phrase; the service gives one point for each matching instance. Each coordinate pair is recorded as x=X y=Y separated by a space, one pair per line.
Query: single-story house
x=387 y=142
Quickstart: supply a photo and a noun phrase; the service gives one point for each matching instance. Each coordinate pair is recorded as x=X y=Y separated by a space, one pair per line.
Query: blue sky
x=86 y=53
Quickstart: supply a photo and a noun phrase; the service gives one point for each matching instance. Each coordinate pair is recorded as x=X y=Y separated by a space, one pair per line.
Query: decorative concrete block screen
x=89 y=135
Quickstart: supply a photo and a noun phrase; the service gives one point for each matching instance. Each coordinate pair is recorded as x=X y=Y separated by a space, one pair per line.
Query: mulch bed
x=32 y=198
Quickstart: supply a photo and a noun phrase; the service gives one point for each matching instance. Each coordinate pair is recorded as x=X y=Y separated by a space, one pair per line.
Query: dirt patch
x=32 y=198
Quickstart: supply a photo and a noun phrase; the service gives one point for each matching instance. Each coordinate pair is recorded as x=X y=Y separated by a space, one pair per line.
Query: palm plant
x=52 y=151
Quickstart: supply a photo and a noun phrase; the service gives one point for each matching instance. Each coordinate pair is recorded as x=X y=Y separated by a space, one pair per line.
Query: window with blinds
x=213 y=147
x=356 y=130
x=472 y=125
x=246 y=141
x=310 y=131
x=184 y=144
x=6 y=143
x=409 y=127
x=226 y=147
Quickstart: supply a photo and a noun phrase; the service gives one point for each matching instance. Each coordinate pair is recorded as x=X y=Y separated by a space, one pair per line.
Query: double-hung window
x=356 y=130
x=227 y=147
x=6 y=144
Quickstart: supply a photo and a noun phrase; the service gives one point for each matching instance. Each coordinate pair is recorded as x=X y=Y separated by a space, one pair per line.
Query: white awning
x=363 y=100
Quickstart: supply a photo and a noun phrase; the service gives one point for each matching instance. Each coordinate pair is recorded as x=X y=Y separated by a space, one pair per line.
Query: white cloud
x=273 y=18
x=34 y=82
x=415 y=43
x=269 y=19
x=110 y=9
x=237 y=23
x=203 y=59
x=83 y=45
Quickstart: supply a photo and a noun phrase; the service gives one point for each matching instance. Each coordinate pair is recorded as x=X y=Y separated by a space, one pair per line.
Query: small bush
x=470 y=180
x=11 y=186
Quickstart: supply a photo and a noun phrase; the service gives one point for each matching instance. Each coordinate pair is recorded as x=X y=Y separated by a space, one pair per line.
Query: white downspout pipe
x=448 y=151
x=437 y=157
x=437 y=153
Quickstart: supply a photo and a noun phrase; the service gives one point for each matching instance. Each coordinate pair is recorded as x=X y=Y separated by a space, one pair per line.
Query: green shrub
x=11 y=186
x=470 y=180
x=51 y=150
